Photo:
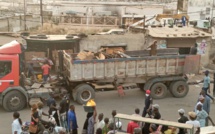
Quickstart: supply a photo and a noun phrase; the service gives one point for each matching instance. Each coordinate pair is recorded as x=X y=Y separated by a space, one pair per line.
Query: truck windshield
x=5 y=68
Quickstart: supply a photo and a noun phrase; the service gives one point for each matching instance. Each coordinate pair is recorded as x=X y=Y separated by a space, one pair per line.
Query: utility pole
x=41 y=12
x=212 y=15
x=24 y=15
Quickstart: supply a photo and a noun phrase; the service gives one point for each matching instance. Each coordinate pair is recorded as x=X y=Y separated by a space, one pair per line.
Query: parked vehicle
x=13 y=95
x=157 y=73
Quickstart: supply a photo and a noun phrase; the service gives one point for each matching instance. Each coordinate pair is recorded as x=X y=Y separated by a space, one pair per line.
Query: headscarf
x=86 y=121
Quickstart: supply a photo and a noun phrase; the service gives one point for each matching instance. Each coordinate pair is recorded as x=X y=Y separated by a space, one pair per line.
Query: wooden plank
x=155 y=121
x=207 y=130
x=36 y=85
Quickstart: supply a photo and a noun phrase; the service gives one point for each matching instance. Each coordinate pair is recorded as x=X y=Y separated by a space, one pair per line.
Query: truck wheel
x=179 y=89
x=158 y=90
x=171 y=86
x=84 y=93
x=14 y=101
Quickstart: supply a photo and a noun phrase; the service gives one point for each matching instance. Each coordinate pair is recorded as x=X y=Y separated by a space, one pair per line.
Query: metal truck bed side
x=88 y=70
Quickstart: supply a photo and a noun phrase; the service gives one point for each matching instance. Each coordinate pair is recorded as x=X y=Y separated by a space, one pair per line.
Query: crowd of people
x=64 y=120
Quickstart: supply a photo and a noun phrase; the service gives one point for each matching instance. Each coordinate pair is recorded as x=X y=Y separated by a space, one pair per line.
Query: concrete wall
x=93 y=42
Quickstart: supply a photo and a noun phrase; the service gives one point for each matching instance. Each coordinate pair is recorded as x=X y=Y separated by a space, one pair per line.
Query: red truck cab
x=12 y=96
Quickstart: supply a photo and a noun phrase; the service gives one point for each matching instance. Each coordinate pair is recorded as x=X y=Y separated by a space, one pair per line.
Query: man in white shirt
x=17 y=124
x=194 y=122
x=101 y=122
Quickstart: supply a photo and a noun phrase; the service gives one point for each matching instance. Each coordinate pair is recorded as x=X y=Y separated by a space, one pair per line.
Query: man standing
x=153 y=51
x=182 y=119
x=46 y=68
x=63 y=110
x=91 y=122
x=131 y=126
x=206 y=105
x=194 y=122
x=193 y=49
x=101 y=122
x=148 y=104
x=206 y=84
x=72 y=120
x=111 y=120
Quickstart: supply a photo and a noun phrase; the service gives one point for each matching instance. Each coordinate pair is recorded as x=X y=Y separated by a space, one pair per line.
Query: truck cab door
x=6 y=79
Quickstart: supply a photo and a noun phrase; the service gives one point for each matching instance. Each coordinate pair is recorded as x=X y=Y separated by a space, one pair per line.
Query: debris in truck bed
x=103 y=53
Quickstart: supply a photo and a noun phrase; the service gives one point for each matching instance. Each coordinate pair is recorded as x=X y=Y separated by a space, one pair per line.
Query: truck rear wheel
x=14 y=101
x=84 y=93
x=158 y=90
x=179 y=89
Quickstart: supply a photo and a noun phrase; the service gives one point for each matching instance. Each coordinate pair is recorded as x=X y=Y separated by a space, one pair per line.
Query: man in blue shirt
x=206 y=84
x=72 y=120
x=206 y=104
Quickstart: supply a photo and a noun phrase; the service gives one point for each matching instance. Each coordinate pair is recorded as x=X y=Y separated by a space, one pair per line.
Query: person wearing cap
x=201 y=101
x=202 y=115
x=206 y=104
x=194 y=122
x=206 y=84
x=182 y=119
x=148 y=104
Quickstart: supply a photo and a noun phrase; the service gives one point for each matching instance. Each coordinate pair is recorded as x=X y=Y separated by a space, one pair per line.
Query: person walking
x=194 y=122
x=91 y=122
x=202 y=115
x=35 y=117
x=72 y=120
x=53 y=111
x=206 y=84
x=148 y=104
x=17 y=124
x=182 y=119
x=46 y=70
x=63 y=110
x=206 y=105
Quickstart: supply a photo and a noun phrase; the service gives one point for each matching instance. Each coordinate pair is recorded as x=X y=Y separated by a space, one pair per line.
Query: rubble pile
x=103 y=53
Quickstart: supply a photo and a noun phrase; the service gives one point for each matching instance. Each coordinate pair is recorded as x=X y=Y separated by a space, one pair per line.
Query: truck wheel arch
x=82 y=87
x=18 y=90
x=151 y=81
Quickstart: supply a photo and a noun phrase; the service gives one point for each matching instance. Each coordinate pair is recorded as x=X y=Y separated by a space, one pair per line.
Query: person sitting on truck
x=148 y=104
x=153 y=51
x=46 y=70
x=31 y=72
x=193 y=49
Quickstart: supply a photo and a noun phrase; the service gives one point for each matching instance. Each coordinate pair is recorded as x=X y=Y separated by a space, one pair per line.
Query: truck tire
x=179 y=89
x=14 y=101
x=158 y=90
x=84 y=93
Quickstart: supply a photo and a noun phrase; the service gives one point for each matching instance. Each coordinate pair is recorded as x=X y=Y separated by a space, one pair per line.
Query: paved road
x=107 y=101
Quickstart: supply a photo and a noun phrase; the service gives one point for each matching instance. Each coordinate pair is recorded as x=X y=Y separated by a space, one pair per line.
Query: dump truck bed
x=146 y=66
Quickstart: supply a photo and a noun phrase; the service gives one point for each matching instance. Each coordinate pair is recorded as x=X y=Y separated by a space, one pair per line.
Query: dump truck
x=13 y=94
x=162 y=73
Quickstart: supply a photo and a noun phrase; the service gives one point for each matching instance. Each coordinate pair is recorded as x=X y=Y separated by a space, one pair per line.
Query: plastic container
x=89 y=106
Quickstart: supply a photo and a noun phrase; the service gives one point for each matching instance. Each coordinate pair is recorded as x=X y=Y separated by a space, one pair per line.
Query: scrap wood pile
x=103 y=53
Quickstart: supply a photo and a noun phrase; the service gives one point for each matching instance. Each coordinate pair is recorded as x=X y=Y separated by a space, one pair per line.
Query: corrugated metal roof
x=177 y=32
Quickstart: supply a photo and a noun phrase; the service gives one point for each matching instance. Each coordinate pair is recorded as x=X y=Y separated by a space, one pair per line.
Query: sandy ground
x=108 y=101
